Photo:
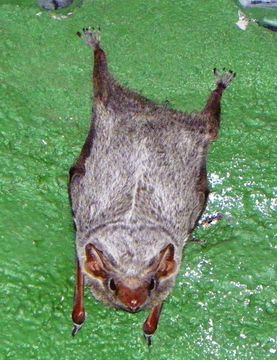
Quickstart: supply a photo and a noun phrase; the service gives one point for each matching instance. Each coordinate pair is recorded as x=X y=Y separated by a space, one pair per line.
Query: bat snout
x=133 y=300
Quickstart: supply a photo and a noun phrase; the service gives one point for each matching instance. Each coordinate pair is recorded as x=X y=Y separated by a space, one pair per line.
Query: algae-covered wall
x=224 y=303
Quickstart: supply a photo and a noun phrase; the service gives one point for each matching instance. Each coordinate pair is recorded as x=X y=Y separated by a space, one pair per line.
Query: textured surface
x=224 y=304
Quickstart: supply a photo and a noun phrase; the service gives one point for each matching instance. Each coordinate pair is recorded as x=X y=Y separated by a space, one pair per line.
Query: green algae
x=224 y=304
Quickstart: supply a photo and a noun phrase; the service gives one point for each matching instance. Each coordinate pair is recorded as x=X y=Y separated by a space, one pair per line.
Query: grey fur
x=143 y=183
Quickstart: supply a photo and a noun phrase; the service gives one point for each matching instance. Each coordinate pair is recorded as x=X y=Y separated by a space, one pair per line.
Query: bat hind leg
x=213 y=107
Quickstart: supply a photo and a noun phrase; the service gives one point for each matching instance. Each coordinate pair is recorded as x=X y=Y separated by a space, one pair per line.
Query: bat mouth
x=131 y=310
x=134 y=310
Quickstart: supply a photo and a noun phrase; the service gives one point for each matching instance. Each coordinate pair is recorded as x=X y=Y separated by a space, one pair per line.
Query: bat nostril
x=133 y=302
x=134 y=305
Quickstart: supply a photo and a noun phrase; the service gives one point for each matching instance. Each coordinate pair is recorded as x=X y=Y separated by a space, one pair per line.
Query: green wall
x=224 y=303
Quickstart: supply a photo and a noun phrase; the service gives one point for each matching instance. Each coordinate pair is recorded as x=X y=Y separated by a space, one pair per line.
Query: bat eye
x=112 y=285
x=152 y=284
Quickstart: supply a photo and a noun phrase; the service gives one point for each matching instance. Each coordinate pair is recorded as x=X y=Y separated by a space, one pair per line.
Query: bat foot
x=90 y=36
x=224 y=78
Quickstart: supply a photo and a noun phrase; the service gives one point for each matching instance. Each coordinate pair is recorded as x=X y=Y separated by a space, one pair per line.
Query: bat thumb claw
x=76 y=329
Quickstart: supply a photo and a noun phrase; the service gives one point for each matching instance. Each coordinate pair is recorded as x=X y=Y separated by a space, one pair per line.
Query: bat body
x=137 y=191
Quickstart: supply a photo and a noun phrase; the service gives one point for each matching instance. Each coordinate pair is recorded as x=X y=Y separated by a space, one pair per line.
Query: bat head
x=144 y=288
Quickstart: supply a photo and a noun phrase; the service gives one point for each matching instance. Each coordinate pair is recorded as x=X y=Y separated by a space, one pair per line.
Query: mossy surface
x=224 y=303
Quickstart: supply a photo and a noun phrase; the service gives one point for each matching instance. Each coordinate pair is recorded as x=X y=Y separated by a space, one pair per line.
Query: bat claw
x=76 y=329
x=148 y=339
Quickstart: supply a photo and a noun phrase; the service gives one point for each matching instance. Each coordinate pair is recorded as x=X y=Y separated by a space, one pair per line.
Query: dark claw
x=198 y=241
x=76 y=329
x=148 y=339
x=78 y=33
x=214 y=70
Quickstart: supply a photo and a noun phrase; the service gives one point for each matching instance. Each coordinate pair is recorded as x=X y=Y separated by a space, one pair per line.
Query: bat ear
x=96 y=263
x=166 y=263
